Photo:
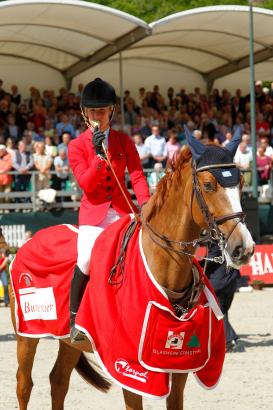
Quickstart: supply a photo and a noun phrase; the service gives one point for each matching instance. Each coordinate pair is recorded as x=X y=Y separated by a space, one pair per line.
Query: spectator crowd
x=35 y=131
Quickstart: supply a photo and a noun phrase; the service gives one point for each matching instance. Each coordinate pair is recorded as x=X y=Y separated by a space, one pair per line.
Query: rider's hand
x=97 y=139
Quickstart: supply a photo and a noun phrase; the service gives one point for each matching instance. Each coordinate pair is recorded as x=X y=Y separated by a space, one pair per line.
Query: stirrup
x=76 y=335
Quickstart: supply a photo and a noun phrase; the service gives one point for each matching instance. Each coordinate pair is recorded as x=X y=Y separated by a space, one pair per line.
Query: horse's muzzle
x=241 y=256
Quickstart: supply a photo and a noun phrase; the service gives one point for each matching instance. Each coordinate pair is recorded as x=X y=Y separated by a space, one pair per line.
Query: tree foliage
x=152 y=10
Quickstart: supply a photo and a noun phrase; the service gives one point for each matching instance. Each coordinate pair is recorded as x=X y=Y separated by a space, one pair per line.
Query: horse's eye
x=209 y=187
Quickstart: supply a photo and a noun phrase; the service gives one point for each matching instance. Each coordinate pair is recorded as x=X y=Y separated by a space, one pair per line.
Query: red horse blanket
x=134 y=331
x=41 y=275
x=136 y=336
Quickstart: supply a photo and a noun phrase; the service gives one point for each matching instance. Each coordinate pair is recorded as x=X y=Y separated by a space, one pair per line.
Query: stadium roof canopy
x=202 y=47
x=67 y=36
x=76 y=40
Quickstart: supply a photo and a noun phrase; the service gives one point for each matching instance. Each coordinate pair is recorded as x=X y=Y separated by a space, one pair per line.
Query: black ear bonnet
x=214 y=155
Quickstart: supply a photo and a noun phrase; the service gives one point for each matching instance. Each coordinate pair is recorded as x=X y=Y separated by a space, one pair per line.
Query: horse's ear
x=234 y=143
x=196 y=147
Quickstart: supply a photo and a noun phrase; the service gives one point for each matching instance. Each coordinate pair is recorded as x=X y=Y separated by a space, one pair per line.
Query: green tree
x=153 y=10
x=193 y=342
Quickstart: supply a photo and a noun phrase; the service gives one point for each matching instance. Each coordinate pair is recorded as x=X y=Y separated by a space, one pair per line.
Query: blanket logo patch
x=124 y=368
x=194 y=341
x=175 y=340
x=25 y=277
x=38 y=303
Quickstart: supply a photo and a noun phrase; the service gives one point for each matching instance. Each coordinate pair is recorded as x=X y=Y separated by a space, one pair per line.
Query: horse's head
x=216 y=204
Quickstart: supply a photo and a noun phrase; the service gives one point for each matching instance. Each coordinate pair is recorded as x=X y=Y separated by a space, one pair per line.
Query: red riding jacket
x=95 y=178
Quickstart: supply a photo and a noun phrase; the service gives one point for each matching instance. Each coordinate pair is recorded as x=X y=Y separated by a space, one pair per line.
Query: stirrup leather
x=76 y=335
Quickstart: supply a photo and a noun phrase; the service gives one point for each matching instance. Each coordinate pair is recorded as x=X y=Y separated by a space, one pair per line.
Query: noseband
x=213 y=233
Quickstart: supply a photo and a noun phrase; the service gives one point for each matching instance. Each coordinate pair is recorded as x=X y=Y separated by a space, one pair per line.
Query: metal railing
x=69 y=198
x=30 y=201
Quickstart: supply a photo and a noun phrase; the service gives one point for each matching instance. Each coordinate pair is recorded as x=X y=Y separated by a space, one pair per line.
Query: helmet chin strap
x=112 y=114
x=87 y=121
x=85 y=118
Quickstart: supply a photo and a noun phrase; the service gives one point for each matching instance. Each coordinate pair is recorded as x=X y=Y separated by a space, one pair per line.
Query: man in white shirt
x=142 y=150
x=157 y=147
x=243 y=158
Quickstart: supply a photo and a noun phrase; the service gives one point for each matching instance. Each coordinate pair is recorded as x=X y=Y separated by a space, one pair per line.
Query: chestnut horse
x=200 y=192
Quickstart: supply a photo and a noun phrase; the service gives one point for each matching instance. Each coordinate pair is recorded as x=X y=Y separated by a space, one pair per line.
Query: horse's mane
x=173 y=174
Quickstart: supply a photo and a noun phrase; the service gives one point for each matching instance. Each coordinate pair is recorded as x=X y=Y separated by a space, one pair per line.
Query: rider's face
x=101 y=114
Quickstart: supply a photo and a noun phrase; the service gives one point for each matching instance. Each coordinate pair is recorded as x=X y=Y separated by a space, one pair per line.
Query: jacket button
x=108 y=178
x=108 y=188
x=109 y=197
x=108 y=168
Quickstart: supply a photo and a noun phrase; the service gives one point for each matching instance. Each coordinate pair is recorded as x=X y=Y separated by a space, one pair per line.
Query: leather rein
x=213 y=233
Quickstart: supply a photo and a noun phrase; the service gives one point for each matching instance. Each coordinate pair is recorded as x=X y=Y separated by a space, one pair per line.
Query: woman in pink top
x=173 y=146
x=264 y=165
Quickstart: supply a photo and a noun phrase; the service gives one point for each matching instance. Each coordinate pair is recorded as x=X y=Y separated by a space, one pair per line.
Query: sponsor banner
x=123 y=367
x=39 y=304
x=260 y=266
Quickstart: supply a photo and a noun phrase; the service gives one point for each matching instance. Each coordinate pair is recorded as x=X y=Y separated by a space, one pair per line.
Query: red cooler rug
x=136 y=336
x=41 y=275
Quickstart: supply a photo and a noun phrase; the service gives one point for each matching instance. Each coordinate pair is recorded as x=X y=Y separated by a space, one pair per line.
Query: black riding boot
x=78 y=285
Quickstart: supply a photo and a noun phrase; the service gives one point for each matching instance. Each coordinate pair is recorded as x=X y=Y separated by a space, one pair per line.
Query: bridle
x=213 y=233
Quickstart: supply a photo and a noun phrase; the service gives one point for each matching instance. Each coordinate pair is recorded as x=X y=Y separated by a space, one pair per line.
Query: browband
x=208 y=167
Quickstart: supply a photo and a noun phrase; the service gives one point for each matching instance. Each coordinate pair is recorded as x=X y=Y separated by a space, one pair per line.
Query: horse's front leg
x=26 y=349
x=176 y=397
x=132 y=401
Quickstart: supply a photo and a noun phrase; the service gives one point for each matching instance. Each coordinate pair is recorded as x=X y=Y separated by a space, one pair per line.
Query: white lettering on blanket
x=40 y=304
x=123 y=367
x=176 y=353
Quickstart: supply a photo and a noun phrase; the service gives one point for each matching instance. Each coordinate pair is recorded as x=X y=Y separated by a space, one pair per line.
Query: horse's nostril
x=237 y=252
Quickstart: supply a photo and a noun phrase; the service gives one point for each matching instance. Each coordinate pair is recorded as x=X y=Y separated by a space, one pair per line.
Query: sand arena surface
x=246 y=383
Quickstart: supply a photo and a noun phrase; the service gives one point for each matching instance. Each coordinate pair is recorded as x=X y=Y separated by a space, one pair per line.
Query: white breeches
x=87 y=236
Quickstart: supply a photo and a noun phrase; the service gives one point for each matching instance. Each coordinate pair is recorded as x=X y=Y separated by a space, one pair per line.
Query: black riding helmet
x=98 y=93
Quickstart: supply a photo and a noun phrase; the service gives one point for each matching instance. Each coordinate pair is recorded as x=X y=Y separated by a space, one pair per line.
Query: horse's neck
x=174 y=221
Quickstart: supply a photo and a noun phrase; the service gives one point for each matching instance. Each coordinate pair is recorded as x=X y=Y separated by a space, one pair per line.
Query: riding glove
x=97 y=139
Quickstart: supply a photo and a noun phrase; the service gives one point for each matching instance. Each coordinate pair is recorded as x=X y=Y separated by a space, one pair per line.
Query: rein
x=89 y=125
x=213 y=232
x=117 y=181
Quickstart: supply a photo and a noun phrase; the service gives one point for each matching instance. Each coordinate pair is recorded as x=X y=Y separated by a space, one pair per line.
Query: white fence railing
x=14 y=234
x=69 y=197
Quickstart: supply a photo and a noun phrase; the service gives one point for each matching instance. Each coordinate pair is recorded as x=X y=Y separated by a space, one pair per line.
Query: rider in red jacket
x=102 y=202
